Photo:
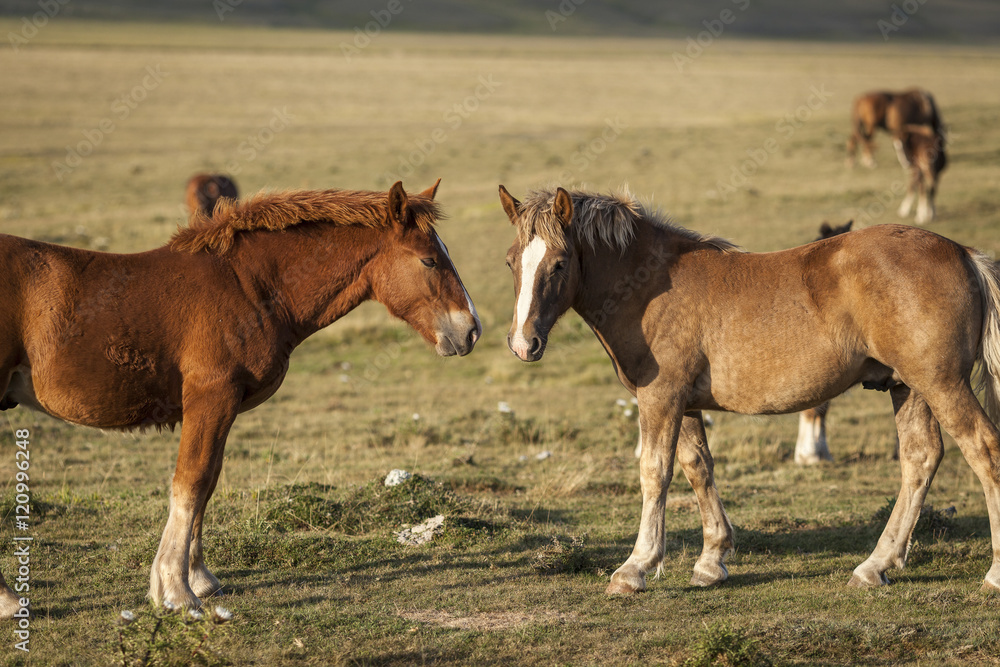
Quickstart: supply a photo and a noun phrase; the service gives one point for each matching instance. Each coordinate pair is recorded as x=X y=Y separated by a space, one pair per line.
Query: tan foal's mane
x=276 y=211
x=609 y=219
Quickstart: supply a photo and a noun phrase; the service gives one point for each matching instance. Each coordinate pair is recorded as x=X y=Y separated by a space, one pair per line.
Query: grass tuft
x=720 y=644
x=562 y=558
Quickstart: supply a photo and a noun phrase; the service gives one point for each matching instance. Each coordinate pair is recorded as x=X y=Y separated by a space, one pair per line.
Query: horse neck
x=616 y=288
x=309 y=276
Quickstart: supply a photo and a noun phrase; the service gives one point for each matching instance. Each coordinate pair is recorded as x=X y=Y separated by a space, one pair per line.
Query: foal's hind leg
x=962 y=416
x=209 y=413
x=717 y=532
x=920 y=452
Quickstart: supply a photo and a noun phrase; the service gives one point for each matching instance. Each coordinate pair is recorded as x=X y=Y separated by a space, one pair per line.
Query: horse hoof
x=706 y=578
x=866 y=582
x=622 y=588
x=623 y=584
x=203 y=583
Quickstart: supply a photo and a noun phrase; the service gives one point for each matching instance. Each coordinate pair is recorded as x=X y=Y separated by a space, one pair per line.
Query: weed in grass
x=171 y=637
x=719 y=644
x=561 y=558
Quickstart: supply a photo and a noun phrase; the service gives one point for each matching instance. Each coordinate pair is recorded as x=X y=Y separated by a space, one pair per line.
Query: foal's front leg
x=660 y=423
x=717 y=531
x=209 y=413
x=200 y=578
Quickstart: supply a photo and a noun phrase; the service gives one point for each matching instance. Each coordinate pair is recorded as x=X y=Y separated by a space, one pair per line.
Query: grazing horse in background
x=205 y=190
x=923 y=150
x=811 y=446
x=691 y=323
x=891 y=112
x=201 y=329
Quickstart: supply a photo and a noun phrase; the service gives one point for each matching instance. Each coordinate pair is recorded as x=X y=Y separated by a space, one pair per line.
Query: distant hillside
x=939 y=20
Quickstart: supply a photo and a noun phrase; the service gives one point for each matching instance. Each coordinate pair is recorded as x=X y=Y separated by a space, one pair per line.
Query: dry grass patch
x=487 y=621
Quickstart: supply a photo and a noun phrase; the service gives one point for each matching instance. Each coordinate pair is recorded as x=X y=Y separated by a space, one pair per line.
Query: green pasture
x=101 y=124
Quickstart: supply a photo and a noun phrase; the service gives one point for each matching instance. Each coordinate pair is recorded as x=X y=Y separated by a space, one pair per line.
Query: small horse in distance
x=204 y=191
x=692 y=323
x=811 y=446
x=202 y=329
x=892 y=112
x=923 y=151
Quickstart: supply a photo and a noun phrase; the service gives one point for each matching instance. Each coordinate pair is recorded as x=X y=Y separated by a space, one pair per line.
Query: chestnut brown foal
x=202 y=329
x=692 y=323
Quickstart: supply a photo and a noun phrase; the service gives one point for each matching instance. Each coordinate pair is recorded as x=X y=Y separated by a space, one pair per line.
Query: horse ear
x=511 y=206
x=396 y=207
x=847 y=227
x=431 y=191
x=562 y=206
x=824 y=229
x=212 y=189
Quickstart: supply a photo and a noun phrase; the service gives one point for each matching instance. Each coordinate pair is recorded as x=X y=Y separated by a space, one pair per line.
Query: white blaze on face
x=468 y=299
x=530 y=260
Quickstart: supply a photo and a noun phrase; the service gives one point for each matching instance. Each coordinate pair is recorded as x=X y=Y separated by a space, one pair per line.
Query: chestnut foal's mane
x=606 y=218
x=276 y=211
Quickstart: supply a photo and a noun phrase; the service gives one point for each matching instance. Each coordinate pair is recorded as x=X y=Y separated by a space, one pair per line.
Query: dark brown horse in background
x=924 y=154
x=204 y=191
x=691 y=323
x=892 y=112
x=201 y=330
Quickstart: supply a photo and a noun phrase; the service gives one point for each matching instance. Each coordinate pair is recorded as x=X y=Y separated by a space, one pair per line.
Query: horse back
x=836 y=312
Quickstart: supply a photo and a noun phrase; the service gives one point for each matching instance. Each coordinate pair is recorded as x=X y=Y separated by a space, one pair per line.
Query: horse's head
x=416 y=279
x=546 y=271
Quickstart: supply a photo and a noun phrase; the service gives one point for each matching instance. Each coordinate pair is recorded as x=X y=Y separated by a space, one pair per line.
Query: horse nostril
x=472 y=337
x=536 y=346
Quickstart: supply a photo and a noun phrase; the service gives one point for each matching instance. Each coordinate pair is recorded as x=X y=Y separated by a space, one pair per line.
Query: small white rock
x=504 y=407
x=397 y=477
x=541 y=456
x=421 y=533
x=621 y=402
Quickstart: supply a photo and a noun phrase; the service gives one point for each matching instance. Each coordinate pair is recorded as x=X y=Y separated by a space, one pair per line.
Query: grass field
x=102 y=123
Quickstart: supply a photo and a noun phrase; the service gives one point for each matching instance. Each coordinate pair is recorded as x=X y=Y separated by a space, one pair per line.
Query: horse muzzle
x=457 y=333
x=527 y=348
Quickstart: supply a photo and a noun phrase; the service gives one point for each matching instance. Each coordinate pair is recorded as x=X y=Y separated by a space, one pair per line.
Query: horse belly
x=778 y=385
x=111 y=401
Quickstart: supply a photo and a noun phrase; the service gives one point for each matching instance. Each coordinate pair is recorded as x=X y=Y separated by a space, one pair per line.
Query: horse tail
x=988 y=277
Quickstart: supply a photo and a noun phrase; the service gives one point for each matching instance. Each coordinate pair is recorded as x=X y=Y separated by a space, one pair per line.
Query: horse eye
x=560 y=265
x=429 y=263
